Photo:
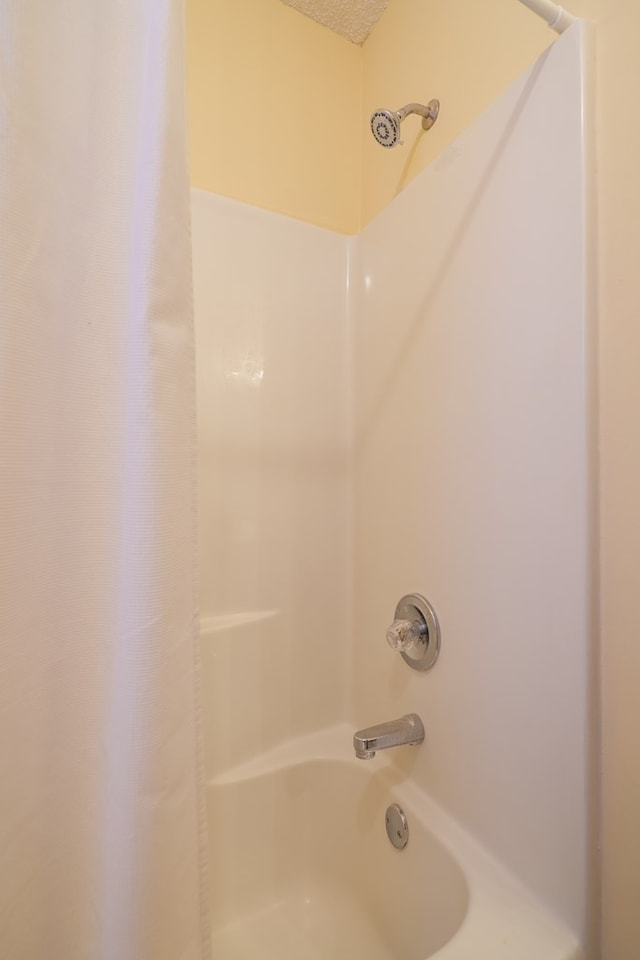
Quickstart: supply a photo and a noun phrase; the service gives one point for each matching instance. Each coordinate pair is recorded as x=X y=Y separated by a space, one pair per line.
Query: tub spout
x=394 y=733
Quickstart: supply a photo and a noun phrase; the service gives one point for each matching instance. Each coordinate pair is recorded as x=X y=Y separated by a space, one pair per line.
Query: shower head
x=385 y=124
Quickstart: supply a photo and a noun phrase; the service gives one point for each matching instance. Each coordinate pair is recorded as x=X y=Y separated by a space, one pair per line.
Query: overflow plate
x=397 y=826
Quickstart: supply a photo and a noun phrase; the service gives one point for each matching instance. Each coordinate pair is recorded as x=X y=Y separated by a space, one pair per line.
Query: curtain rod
x=557 y=18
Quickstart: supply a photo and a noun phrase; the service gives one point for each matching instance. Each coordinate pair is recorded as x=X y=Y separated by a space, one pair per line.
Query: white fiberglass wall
x=270 y=312
x=471 y=460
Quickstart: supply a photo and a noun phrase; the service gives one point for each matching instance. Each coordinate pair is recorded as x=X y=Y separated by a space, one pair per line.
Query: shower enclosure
x=403 y=410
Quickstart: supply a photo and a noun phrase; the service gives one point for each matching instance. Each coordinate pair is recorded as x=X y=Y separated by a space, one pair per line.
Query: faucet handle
x=415 y=632
x=403 y=633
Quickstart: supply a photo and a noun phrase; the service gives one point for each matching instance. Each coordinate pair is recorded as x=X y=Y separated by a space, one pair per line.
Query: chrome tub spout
x=394 y=733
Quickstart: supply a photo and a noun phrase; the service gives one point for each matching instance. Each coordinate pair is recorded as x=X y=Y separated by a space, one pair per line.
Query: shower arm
x=429 y=113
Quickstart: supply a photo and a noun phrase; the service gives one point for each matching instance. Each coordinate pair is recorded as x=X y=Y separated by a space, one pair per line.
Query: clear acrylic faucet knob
x=402 y=633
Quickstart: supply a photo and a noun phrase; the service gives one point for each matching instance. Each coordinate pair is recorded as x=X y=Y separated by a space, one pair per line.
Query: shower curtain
x=102 y=851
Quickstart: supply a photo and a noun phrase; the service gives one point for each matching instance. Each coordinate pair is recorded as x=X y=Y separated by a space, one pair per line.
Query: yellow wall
x=274 y=102
x=464 y=51
x=276 y=113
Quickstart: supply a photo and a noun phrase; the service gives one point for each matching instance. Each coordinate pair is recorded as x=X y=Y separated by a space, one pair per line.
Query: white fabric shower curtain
x=102 y=853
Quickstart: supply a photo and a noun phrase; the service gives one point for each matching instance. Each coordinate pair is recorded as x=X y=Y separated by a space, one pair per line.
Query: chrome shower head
x=385 y=124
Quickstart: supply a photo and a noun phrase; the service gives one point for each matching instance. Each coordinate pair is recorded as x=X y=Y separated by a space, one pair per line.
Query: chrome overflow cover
x=397 y=826
x=415 y=632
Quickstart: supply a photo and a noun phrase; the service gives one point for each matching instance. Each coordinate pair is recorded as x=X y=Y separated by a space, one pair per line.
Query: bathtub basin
x=302 y=868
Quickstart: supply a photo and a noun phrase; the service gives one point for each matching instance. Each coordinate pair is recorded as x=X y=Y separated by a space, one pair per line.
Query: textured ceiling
x=352 y=19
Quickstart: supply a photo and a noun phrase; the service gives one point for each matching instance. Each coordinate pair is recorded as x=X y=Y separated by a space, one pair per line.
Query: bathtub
x=302 y=868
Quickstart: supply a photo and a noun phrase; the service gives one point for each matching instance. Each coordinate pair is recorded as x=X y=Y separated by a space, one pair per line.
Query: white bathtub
x=302 y=868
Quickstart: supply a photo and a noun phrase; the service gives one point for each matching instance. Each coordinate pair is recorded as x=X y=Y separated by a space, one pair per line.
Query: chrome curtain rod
x=557 y=18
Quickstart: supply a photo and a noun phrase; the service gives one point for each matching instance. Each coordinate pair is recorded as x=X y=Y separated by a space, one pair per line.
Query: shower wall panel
x=270 y=313
x=471 y=459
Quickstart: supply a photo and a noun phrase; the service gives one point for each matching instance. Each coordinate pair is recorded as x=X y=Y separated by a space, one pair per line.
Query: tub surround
x=450 y=339
x=272 y=359
x=471 y=466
